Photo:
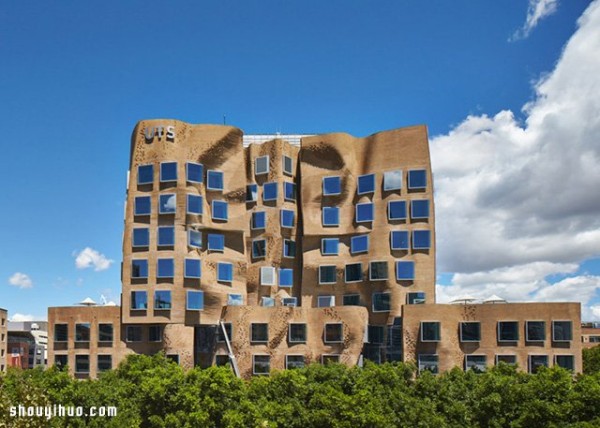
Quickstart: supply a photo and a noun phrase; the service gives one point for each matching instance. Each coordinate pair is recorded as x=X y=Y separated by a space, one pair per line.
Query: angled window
x=224 y=272
x=397 y=210
x=359 y=244
x=259 y=248
x=289 y=248
x=167 y=203
x=105 y=332
x=537 y=361
x=235 y=300
x=286 y=277
x=399 y=239
x=220 y=210
x=506 y=359
x=325 y=301
x=508 y=331
x=140 y=237
x=193 y=268
x=562 y=331
x=353 y=272
x=415 y=298
x=194 y=172
x=289 y=191
x=139 y=300
x=168 y=171
x=470 y=331
x=228 y=329
x=334 y=332
x=104 y=363
x=194 y=238
x=332 y=186
x=259 y=220
x=327 y=274
x=392 y=180
x=365 y=212
x=142 y=205
x=428 y=362
x=61 y=332
x=261 y=365
x=270 y=191
x=82 y=332
x=565 y=361
x=297 y=333
x=475 y=362
x=194 y=300
x=267 y=275
x=155 y=333
x=194 y=204
x=82 y=363
x=162 y=299
x=419 y=208
x=430 y=331
x=214 y=180
x=166 y=236
x=133 y=333
x=259 y=332
x=351 y=300
x=289 y=301
x=381 y=302
x=287 y=218
x=330 y=246
x=294 y=362
x=417 y=179
x=288 y=165
x=535 y=331
x=261 y=165
x=139 y=268
x=378 y=271
x=252 y=193
x=376 y=334
x=331 y=216
x=145 y=174
x=216 y=242
x=405 y=270
x=267 y=301
x=366 y=184
x=421 y=239
x=165 y=268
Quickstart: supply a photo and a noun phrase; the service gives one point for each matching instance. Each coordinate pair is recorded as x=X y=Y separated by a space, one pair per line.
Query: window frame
x=409 y=178
x=330 y=178
x=325 y=211
x=293 y=196
x=351 y=295
x=387 y=273
x=530 y=368
x=212 y=173
x=224 y=265
x=401 y=202
x=358 y=184
x=264 y=277
x=102 y=369
x=372 y=212
x=304 y=334
x=527 y=338
x=286 y=244
x=102 y=334
x=144 y=266
x=78 y=333
x=331 y=298
x=341 y=332
x=286 y=271
x=497 y=360
x=161 y=172
x=137 y=328
x=188 y=204
x=254 y=194
x=498 y=332
x=282 y=215
x=159 y=268
x=268 y=365
x=168 y=304
x=187 y=300
x=284 y=168
x=414 y=239
x=462 y=338
x=185 y=268
x=187 y=172
x=221 y=238
x=421 y=366
x=191 y=232
x=267 y=167
x=133 y=237
x=135 y=205
x=216 y=203
x=160 y=203
x=412 y=206
x=388 y=173
x=159 y=238
x=254 y=338
x=373 y=301
x=406 y=233
x=405 y=263
x=337 y=245
x=270 y=184
x=255 y=243
x=131 y=300
x=152 y=336
x=475 y=366
x=358 y=238
x=554 y=331
x=362 y=275
x=139 y=167
x=438 y=325
x=570 y=356
x=408 y=297
x=77 y=363
x=287 y=363
x=335 y=276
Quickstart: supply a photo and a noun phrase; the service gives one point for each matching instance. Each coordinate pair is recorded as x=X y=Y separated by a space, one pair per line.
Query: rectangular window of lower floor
x=294 y=361
x=429 y=362
x=261 y=364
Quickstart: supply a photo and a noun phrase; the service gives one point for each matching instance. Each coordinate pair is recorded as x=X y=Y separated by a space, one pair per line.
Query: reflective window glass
x=194 y=204
x=194 y=172
x=142 y=205
x=167 y=203
x=214 y=180
x=332 y=186
x=168 y=171
x=145 y=174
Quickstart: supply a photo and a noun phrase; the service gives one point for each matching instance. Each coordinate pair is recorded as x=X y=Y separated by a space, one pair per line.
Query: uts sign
x=160 y=132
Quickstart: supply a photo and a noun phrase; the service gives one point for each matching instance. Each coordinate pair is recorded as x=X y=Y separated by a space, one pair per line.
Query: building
x=590 y=334
x=3 y=339
x=272 y=251
x=28 y=343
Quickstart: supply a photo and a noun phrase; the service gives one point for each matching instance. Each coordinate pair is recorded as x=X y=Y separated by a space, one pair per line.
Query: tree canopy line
x=152 y=391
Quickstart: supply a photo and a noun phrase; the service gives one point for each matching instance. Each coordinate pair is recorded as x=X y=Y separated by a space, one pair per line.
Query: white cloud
x=26 y=317
x=536 y=11
x=89 y=257
x=20 y=280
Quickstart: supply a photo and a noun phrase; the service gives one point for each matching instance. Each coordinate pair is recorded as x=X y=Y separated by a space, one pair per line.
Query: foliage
x=591 y=360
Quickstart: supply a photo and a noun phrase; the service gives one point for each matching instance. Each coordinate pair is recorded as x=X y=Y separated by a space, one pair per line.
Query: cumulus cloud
x=26 y=317
x=88 y=258
x=20 y=280
x=536 y=11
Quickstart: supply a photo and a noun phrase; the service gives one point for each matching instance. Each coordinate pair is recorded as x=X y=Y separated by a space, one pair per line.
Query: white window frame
x=527 y=339
x=218 y=250
x=135 y=213
x=392 y=240
x=529 y=356
x=293 y=300
x=373 y=209
x=357 y=237
x=252 y=222
x=259 y=341
x=187 y=204
x=498 y=331
x=254 y=364
x=562 y=340
x=160 y=210
x=325 y=224
x=232 y=275
x=215 y=189
x=284 y=246
x=264 y=270
x=412 y=216
x=389 y=210
x=417 y=187
x=290 y=332
x=280 y=276
x=294 y=355
x=390 y=189
x=218 y=201
x=371 y=270
x=267 y=166
x=138 y=174
x=373 y=302
x=346 y=273
x=323 y=253
x=467 y=356
x=255 y=198
x=281 y=211
x=437 y=371
x=187 y=306
x=294 y=190
x=429 y=340
x=189 y=242
x=187 y=175
x=158 y=243
x=265 y=199
x=133 y=245
x=414 y=240
x=323 y=283
x=405 y=279
x=341 y=339
x=358 y=192
x=185 y=275
x=460 y=327
x=505 y=355
x=323 y=185
x=160 y=172
x=328 y=296
x=255 y=256
x=289 y=172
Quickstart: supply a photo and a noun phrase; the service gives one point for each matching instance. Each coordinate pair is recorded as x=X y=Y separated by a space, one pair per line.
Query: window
x=220 y=210
x=82 y=332
x=376 y=334
x=421 y=239
x=168 y=171
x=166 y=236
x=508 y=331
x=61 y=332
x=261 y=364
x=286 y=277
x=259 y=248
x=224 y=272
x=195 y=300
x=228 y=329
x=329 y=359
x=194 y=204
x=235 y=300
x=405 y=270
x=537 y=361
x=267 y=275
x=565 y=361
x=165 y=268
x=289 y=301
x=330 y=246
x=562 y=331
x=214 y=180
x=535 y=331
x=155 y=333
x=193 y=268
x=419 y=208
x=351 y=300
x=381 y=302
x=417 y=179
x=297 y=333
x=475 y=362
x=105 y=332
x=359 y=244
x=287 y=218
x=331 y=216
x=173 y=357
x=104 y=363
x=61 y=361
x=216 y=242
x=145 y=174
x=399 y=240
x=366 y=184
x=325 y=301
x=140 y=237
x=288 y=167
x=353 y=272
x=259 y=332
x=261 y=165
x=378 y=271
x=82 y=363
x=141 y=205
x=270 y=192
x=327 y=274
x=251 y=193
x=167 y=203
x=221 y=360
x=289 y=191
x=364 y=212
x=506 y=359
x=334 y=333
x=133 y=333
x=289 y=248
x=259 y=220
x=392 y=180
x=428 y=362
x=332 y=186
x=430 y=331
x=268 y=301
x=139 y=300
x=194 y=238
x=294 y=362
x=194 y=172
x=470 y=331
x=397 y=210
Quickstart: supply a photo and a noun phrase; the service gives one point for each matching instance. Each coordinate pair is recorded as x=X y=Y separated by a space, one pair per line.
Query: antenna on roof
x=224 y=119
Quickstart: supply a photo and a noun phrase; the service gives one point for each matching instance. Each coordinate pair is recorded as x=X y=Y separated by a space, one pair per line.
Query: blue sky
x=75 y=77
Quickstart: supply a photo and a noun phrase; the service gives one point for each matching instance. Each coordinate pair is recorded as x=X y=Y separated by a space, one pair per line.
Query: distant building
x=3 y=339
x=28 y=343
x=590 y=334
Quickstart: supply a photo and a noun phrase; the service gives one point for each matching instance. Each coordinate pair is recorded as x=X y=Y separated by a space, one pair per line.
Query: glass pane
x=331 y=216
x=289 y=191
x=192 y=268
x=397 y=210
x=327 y=275
x=139 y=300
x=359 y=244
x=364 y=212
x=251 y=193
x=329 y=246
x=220 y=210
x=259 y=248
x=142 y=205
x=162 y=299
x=417 y=179
x=287 y=165
x=421 y=239
x=470 y=332
x=167 y=204
x=166 y=236
x=354 y=272
x=405 y=270
x=235 y=300
x=195 y=172
x=139 y=268
x=392 y=180
x=195 y=238
x=270 y=192
x=194 y=204
x=287 y=218
x=325 y=301
x=216 y=242
x=286 y=277
x=420 y=208
x=141 y=237
x=381 y=302
x=259 y=220
x=399 y=239
x=289 y=248
x=351 y=300
x=332 y=186
x=366 y=184
x=214 y=180
x=224 y=272
x=168 y=171
x=145 y=174
x=416 y=298
x=165 y=268
x=195 y=300
x=378 y=271
x=261 y=165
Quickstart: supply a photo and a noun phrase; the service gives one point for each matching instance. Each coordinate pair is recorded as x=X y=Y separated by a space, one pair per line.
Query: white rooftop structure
x=293 y=139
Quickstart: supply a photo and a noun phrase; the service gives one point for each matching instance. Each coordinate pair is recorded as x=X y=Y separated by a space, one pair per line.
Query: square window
x=193 y=268
x=235 y=300
x=289 y=301
x=259 y=248
x=351 y=300
x=224 y=272
x=325 y=301
x=366 y=184
x=259 y=332
x=428 y=362
x=334 y=332
x=397 y=210
x=289 y=248
x=221 y=360
x=537 y=361
x=381 y=302
x=430 y=331
x=332 y=186
x=470 y=331
x=419 y=208
x=82 y=332
x=216 y=242
x=392 y=180
x=194 y=238
x=421 y=239
x=165 y=268
x=565 y=361
x=506 y=359
x=167 y=203
x=82 y=363
x=195 y=300
x=145 y=174
x=297 y=333
x=60 y=361
x=562 y=331
x=330 y=246
x=139 y=268
x=166 y=236
x=327 y=275
x=353 y=272
x=61 y=332
x=214 y=180
x=288 y=167
x=220 y=210
x=261 y=364
x=415 y=298
x=270 y=191
x=139 y=300
x=359 y=244
x=141 y=205
x=140 y=237
x=535 y=331
x=194 y=204
x=294 y=362
x=261 y=165
x=168 y=172
x=287 y=218
x=417 y=179
x=378 y=271
x=155 y=333
x=399 y=239
x=259 y=220
x=133 y=333
x=268 y=301
x=267 y=275
x=405 y=270
x=286 y=277
x=105 y=332
x=376 y=334
x=194 y=172
x=508 y=331
x=331 y=216
x=104 y=363
x=364 y=212
x=289 y=191
x=251 y=193
x=475 y=362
